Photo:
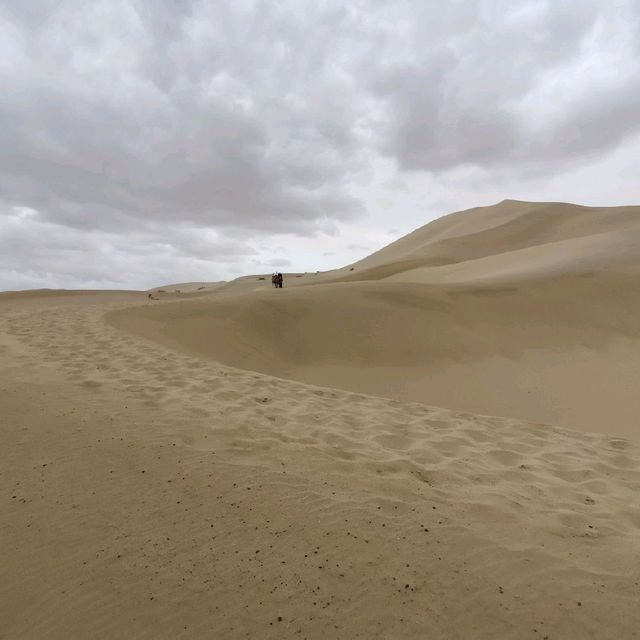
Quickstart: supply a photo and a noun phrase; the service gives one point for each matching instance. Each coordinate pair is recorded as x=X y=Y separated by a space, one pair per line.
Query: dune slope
x=525 y=310
x=150 y=493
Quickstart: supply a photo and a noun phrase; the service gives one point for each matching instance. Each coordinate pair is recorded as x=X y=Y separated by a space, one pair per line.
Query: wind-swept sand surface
x=151 y=492
x=522 y=310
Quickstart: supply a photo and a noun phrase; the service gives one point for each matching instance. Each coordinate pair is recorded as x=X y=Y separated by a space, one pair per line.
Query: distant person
x=279 y=280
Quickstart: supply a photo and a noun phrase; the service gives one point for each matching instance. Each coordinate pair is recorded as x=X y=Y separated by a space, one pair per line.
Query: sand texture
x=162 y=478
x=522 y=310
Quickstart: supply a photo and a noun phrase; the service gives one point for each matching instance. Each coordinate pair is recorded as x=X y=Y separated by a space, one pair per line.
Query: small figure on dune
x=276 y=280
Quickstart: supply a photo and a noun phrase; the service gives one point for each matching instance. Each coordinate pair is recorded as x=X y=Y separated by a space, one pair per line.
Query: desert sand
x=524 y=310
x=440 y=441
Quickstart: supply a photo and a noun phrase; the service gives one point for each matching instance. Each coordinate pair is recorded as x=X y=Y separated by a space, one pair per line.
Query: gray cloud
x=276 y=263
x=178 y=136
x=354 y=246
x=464 y=96
x=91 y=140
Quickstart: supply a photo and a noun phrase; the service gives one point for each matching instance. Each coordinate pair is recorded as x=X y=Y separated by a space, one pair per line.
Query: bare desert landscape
x=438 y=441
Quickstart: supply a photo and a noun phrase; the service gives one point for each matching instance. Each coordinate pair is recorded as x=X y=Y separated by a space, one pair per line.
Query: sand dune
x=527 y=311
x=522 y=237
x=151 y=491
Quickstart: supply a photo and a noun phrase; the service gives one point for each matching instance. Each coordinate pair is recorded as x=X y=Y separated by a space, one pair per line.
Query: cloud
x=187 y=134
x=518 y=84
x=56 y=255
x=354 y=246
x=283 y=262
x=184 y=126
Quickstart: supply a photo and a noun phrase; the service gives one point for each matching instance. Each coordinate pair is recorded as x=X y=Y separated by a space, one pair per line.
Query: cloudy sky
x=148 y=142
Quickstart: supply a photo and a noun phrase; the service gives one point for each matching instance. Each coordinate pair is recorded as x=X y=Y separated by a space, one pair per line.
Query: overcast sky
x=149 y=142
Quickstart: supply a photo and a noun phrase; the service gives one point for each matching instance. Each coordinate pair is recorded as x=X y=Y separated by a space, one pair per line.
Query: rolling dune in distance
x=439 y=441
x=522 y=310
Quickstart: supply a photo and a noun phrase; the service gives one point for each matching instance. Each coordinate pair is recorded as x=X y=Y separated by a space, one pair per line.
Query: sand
x=522 y=310
x=153 y=491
